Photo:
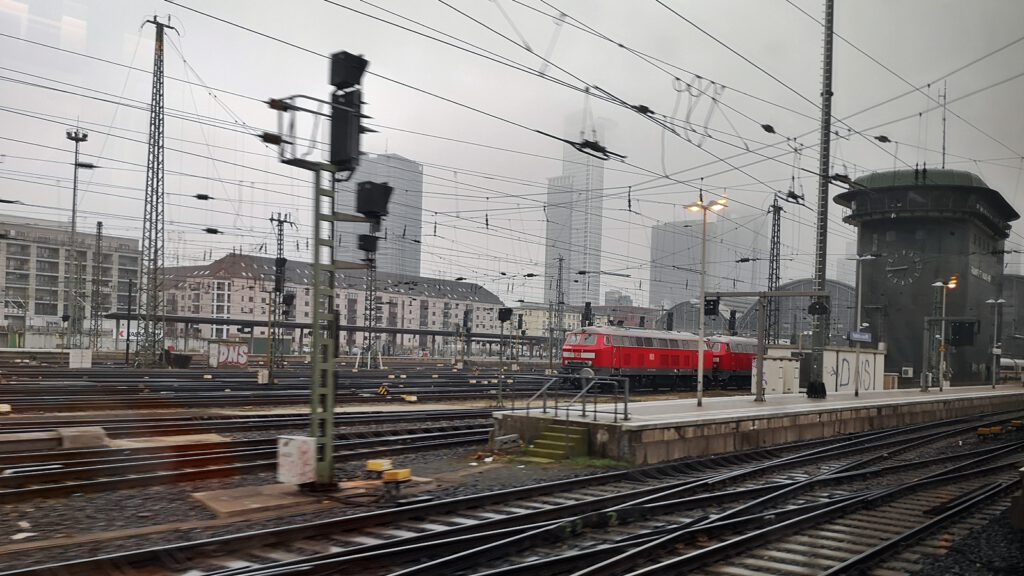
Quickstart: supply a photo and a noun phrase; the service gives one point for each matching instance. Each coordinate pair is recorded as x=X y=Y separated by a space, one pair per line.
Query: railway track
x=42 y=475
x=127 y=427
x=64 y=390
x=591 y=518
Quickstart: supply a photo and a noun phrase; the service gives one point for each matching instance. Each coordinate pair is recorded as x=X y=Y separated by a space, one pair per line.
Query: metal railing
x=614 y=390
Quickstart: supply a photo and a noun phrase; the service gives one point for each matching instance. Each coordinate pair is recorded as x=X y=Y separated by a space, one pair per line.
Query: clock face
x=903 y=267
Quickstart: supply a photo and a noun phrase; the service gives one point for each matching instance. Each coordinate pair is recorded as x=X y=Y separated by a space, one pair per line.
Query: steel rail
x=164 y=471
x=285 y=534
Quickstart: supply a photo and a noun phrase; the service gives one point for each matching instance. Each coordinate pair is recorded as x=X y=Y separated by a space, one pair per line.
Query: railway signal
x=711 y=306
x=346 y=110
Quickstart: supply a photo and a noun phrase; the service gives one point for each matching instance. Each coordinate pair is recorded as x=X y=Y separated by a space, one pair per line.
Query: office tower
x=573 y=213
x=399 y=249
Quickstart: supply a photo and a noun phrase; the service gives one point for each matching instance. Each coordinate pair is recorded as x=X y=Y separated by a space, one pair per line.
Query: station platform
x=664 y=430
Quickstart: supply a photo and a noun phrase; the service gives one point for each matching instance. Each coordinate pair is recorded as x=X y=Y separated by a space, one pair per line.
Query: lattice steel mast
x=370 y=307
x=774 y=271
x=276 y=306
x=151 y=285
x=560 y=304
x=819 y=309
x=95 y=307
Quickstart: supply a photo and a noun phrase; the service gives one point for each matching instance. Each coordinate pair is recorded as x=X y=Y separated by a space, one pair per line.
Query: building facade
x=737 y=257
x=236 y=287
x=37 y=272
x=617 y=298
x=399 y=248
x=574 y=211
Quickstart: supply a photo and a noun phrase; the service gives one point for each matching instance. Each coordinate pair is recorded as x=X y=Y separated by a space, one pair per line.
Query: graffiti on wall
x=845 y=373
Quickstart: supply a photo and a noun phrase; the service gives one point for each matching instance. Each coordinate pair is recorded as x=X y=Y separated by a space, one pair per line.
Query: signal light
x=279 y=268
x=372 y=199
x=711 y=306
x=346 y=113
x=346 y=69
x=504 y=314
x=368 y=242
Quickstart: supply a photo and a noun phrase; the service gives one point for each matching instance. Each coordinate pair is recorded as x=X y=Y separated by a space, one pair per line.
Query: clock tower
x=925 y=227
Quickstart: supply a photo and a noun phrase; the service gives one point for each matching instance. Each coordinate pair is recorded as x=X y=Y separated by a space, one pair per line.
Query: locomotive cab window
x=589 y=340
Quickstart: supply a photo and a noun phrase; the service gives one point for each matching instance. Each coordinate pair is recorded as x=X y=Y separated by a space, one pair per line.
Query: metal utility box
x=296 y=459
x=782 y=375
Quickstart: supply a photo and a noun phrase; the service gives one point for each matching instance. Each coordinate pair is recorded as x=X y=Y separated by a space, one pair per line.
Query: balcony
x=47 y=267
x=45 y=309
x=17 y=279
x=19 y=250
x=49 y=296
x=47 y=253
x=127 y=261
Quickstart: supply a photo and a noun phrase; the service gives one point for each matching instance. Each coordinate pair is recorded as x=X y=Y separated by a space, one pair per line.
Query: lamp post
x=703 y=207
x=856 y=371
x=946 y=286
x=995 y=335
x=77 y=308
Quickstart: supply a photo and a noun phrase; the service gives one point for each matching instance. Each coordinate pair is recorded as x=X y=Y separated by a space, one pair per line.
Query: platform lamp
x=995 y=334
x=860 y=260
x=701 y=206
x=946 y=287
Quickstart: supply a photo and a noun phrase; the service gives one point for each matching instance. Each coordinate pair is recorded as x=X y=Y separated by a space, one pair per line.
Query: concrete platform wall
x=653 y=443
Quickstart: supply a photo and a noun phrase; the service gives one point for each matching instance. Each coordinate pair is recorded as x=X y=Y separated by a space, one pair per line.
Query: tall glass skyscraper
x=574 y=212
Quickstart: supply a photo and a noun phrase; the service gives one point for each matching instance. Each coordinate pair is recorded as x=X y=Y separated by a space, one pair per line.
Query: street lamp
x=856 y=371
x=946 y=286
x=77 y=309
x=701 y=206
x=995 y=334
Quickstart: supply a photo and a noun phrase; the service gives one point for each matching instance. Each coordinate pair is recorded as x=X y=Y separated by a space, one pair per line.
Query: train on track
x=659 y=358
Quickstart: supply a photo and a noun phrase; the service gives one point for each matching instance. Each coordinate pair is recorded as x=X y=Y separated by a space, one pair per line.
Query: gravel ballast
x=460 y=472
x=994 y=549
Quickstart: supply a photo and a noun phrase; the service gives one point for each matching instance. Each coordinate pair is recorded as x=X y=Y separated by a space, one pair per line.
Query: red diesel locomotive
x=658 y=357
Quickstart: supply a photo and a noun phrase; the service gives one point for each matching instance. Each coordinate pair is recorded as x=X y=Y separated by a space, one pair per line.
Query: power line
x=908 y=83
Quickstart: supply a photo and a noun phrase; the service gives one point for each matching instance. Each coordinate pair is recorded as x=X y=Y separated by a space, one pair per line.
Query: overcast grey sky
x=498 y=173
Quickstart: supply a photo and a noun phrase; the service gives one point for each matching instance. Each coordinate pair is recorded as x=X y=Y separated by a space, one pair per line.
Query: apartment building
x=37 y=270
x=237 y=287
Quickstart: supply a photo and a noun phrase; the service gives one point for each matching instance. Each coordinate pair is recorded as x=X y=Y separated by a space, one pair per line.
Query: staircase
x=559 y=442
